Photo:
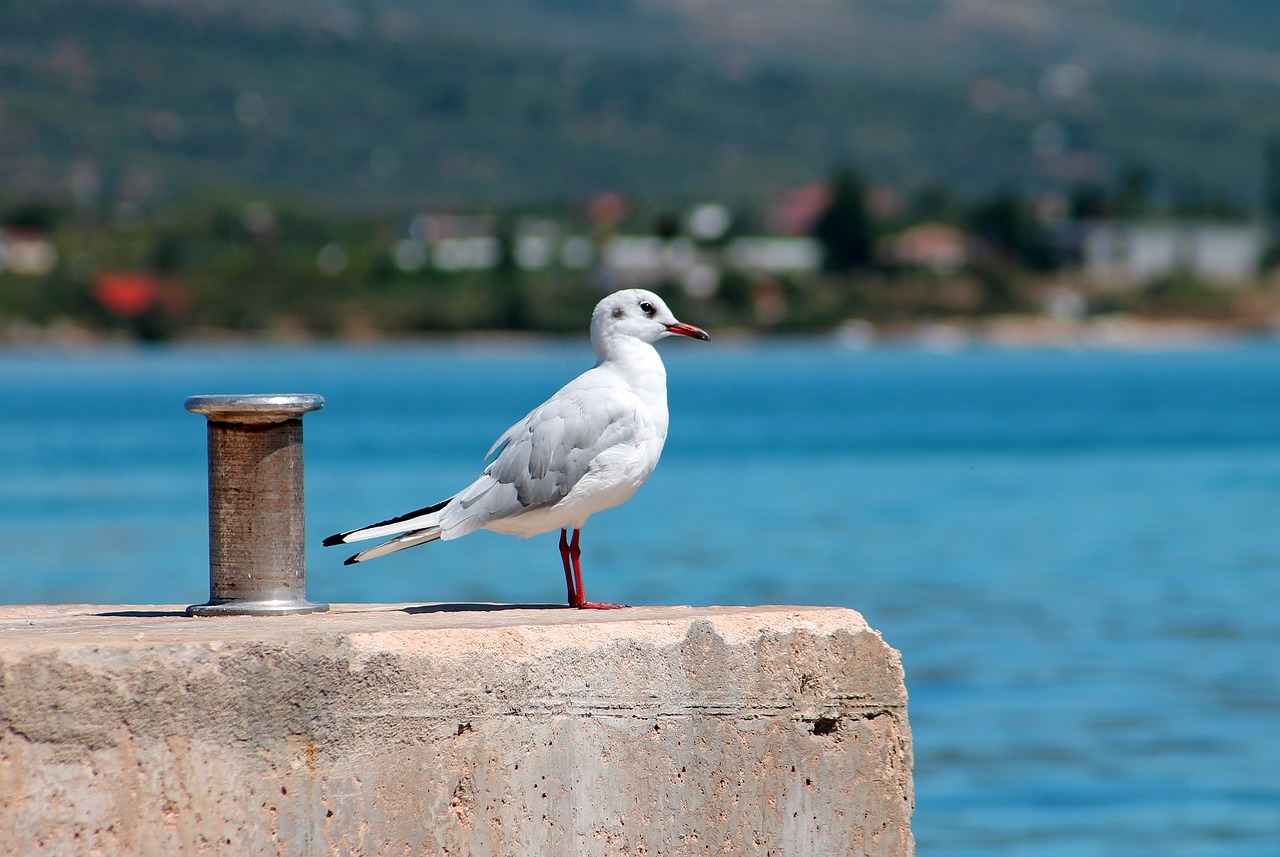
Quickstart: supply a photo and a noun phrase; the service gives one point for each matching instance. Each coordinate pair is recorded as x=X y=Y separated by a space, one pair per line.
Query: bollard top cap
x=255 y=407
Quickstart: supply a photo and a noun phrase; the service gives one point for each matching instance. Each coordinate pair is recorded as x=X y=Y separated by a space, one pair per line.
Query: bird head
x=639 y=314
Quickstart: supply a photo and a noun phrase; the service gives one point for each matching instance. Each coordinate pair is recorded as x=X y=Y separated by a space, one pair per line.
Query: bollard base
x=233 y=607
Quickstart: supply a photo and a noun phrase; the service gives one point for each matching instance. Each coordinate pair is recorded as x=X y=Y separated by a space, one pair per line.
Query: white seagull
x=586 y=449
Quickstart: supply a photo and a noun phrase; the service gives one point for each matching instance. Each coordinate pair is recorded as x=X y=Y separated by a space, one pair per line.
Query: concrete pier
x=452 y=729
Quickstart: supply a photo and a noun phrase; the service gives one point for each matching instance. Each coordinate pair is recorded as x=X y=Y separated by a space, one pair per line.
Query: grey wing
x=544 y=455
x=557 y=444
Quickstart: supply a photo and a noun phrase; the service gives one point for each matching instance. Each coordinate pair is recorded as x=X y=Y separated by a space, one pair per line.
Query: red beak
x=688 y=330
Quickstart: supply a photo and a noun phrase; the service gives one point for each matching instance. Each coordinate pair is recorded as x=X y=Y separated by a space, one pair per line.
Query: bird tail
x=415 y=528
x=399 y=543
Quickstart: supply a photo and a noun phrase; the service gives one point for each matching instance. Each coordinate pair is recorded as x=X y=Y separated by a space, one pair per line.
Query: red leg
x=581 y=601
x=568 y=570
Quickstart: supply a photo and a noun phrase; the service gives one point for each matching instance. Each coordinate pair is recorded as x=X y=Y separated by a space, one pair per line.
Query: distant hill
x=389 y=104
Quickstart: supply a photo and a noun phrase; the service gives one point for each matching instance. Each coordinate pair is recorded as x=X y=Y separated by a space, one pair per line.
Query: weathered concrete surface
x=391 y=729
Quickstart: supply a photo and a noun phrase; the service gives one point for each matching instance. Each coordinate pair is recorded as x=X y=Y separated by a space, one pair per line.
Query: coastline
x=1116 y=331
x=1013 y=332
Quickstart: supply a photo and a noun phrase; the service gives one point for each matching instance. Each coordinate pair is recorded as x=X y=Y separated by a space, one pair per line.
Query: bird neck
x=638 y=363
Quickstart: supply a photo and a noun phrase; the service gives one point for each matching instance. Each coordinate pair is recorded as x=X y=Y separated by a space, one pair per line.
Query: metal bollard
x=257 y=547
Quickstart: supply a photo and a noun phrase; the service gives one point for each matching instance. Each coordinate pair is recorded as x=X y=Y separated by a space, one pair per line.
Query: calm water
x=1078 y=553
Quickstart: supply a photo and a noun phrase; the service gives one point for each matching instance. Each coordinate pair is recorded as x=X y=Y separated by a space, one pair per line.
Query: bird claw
x=598 y=605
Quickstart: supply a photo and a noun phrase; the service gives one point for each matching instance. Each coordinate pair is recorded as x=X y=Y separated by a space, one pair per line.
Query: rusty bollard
x=257 y=546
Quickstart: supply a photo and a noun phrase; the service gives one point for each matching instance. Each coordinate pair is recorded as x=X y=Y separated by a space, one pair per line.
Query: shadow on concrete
x=144 y=614
x=460 y=607
x=475 y=607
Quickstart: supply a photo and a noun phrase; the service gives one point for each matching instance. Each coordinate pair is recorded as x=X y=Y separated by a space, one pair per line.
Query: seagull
x=586 y=449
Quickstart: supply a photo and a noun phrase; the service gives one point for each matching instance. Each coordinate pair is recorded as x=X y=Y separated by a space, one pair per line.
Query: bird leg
x=568 y=570
x=578 y=595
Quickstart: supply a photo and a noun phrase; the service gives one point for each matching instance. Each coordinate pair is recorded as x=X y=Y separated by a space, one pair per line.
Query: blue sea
x=1076 y=551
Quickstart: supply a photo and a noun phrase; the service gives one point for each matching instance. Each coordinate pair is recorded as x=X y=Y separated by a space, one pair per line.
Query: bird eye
x=647 y=308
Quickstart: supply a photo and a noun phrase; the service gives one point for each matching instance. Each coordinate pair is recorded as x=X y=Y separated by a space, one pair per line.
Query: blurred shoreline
x=1013 y=332
x=1111 y=331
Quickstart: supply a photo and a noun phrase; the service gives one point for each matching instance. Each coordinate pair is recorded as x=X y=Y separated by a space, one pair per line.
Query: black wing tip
x=341 y=538
x=426 y=510
x=351 y=560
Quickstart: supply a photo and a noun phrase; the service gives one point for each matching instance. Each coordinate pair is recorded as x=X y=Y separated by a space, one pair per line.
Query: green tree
x=1090 y=202
x=1133 y=191
x=1271 y=202
x=1010 y=228
x=845 y=230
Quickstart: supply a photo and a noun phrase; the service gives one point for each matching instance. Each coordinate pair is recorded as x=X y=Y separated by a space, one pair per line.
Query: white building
x=26 y=251
x=1128 y=252
x=774 y=254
